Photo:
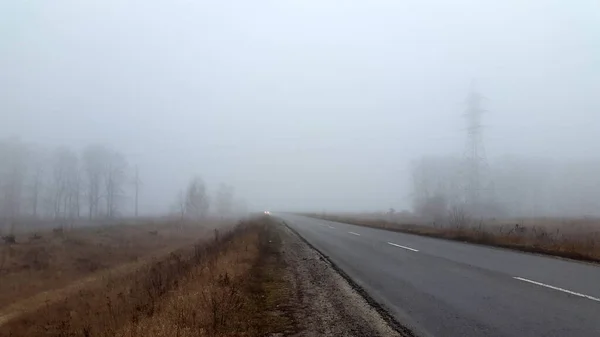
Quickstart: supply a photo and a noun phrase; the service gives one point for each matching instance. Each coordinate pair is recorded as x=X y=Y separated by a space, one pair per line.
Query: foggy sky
x=301 y=105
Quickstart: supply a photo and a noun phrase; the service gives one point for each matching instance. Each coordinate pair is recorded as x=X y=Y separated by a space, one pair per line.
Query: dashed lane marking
x=557 y=288
x=404 y=247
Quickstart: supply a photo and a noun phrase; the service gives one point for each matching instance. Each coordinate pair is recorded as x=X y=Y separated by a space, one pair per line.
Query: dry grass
x=228 y=286
x=52 y=259
x=234 y=293
x=570 y=238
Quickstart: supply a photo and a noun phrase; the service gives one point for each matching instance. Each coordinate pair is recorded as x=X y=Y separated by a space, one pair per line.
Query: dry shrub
x=58 y=231
x=9 y=239
x=34 y=237
x=234 y=293
x=37 y=258
x=459 y=218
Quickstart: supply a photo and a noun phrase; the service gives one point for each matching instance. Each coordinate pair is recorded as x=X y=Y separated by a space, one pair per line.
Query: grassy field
x=570 y=238
x=51 y=259
x=226 y=283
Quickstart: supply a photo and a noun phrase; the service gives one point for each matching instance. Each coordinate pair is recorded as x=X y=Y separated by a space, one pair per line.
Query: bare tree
x=37 y=178
x=180 y=205
x=13 y=168
x=196 y=199
x=114 y=179
x=137 y=184
x=94 y=158
x=458 y=217
x=58 y=183
x=65 y=184
x=74 y=189
x=435 y=186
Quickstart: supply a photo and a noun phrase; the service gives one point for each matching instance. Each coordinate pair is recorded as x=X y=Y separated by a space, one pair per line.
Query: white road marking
x=393 y=244
x=354 y=233
x=557 y=288
x=331 y=227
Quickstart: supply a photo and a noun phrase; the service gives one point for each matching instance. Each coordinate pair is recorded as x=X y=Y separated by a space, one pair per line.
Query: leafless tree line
x=61 y=183
x=195 y=202
x=516 y=187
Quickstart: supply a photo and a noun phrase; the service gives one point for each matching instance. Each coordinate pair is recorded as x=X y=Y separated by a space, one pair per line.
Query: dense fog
x=235 y=106
x=514 y=187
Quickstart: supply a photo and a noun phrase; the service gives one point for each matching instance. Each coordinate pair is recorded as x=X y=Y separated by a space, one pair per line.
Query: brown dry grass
x=229 y=286
x=43 y=261
x=571 y=238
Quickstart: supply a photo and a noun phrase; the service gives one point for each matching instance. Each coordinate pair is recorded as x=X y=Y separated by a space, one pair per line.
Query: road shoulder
x=325 y=303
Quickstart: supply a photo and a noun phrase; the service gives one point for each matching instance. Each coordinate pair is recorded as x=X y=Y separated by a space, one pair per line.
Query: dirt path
x=325 y=303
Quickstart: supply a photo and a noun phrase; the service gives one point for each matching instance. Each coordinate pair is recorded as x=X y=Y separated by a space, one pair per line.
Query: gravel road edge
x=331 y=292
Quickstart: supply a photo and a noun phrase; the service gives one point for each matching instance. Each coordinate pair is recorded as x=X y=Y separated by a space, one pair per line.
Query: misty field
x=143 y=280
x=564 y=237
x=40 y=265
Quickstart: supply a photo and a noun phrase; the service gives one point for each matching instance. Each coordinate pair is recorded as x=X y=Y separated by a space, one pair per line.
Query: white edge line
x=354 y=233
x=393 y=244
x=557 y=288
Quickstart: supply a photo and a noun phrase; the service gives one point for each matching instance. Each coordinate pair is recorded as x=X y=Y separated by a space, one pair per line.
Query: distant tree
x=433 y=208
x=58 y=183
x=73 y=187
x=114 y=178
x=137 y=183
x=38 y=163
x=65 y=184
x=180 y=204
x=13 y=169
x=105 y=174
x=435 y=185
x=196 y=199
x=94 y=158
x=458 y=217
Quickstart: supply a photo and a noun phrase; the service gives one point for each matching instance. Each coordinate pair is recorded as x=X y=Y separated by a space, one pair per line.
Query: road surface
x=445 y=288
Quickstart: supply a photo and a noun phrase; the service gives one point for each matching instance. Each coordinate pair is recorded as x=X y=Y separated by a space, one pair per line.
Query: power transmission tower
x=475 y=158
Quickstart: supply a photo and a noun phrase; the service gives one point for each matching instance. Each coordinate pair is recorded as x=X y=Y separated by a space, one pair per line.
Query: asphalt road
x=451 y=289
